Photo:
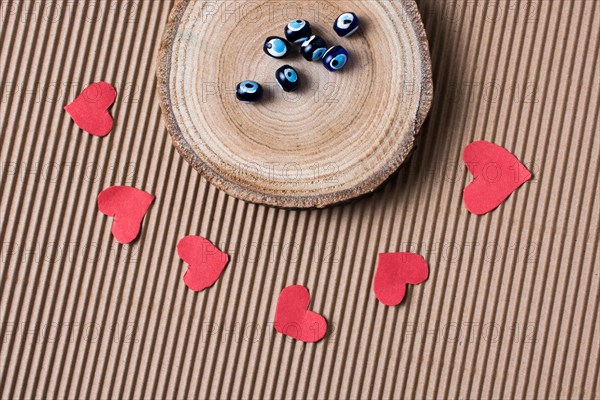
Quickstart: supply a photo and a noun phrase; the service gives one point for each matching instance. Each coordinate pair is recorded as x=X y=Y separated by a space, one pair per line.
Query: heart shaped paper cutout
x=128 y=206
x=496 y=174
x=205 y=262
x=90 y=109
x=293 y=319
x=394 y=271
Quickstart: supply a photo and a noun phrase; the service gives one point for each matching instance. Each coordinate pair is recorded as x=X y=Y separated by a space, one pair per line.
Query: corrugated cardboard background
x=511 y=308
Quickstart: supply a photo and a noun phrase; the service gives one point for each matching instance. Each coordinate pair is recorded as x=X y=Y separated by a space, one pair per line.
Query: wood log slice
x=339 y=136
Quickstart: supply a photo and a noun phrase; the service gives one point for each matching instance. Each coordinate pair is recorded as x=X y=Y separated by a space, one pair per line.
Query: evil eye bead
x=276 y=47
x=335 y=58
x=346 y=24
x=297 y=31
x=287 y=77
x=249 y=91
x=314 y=48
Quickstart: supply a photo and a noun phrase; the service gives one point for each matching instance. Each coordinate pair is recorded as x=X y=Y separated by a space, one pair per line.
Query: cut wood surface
x=339 y=136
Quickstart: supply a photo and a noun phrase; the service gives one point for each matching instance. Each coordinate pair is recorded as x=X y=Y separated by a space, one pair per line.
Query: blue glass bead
x=297 y=31
x=287 y=77
x=249 y=91
x=314 y=48
x=276 y=47
x=346 y=24
x=335 y=58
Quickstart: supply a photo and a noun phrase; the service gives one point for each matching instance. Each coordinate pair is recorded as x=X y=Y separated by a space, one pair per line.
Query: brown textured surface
x=523 y=75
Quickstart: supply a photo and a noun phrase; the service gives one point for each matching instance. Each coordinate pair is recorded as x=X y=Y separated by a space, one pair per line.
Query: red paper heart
x=128 y=206
x=205 y=262
x=394 y=271
x=90 y=109
x=292 y=317
x=496 y=174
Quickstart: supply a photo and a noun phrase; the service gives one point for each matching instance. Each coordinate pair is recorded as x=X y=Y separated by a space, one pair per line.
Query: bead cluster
x=312 y=48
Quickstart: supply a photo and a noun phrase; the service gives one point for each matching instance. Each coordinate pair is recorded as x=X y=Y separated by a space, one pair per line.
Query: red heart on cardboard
x=496 y=174
x=90 y=109
x=205 y=262
x=394 y=271
x=128 y=206
x=293 y=319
